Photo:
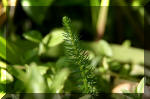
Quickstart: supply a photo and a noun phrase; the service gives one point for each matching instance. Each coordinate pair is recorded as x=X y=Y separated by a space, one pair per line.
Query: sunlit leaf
x=137 y=70
x=54 y=38
x=35 y=82
x=36 y=2
x=55 y=51
x=140 y=87
x=2 y=64
x=42 y=69
x=2 y=94
x=59 y=80
x=42 y=49
x=5 y=77
x=105 y=48
x=126 y=43
x=124 y=54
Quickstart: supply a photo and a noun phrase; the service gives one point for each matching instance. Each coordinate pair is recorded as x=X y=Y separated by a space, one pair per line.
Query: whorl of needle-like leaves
x=78 y=56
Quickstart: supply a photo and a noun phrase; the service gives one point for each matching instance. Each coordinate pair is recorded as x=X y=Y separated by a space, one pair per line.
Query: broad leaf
x=54 y=38
x=34 y=36
x=99 y=48
x=35 y=81
x=125 y=54
x=59 y=80
x=105 y=48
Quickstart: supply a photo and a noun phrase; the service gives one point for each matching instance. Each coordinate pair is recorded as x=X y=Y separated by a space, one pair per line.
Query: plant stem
x=102 y=18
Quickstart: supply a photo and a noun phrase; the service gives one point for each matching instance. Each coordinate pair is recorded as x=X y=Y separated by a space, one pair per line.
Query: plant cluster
x=77 y=49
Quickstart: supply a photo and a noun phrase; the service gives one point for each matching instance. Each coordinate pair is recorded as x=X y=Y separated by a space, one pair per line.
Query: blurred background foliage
x=32 y=58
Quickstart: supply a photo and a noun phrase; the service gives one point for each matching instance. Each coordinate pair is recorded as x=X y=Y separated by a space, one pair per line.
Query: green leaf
x=42 y=49
x=36 y=9
x=59 y=80
x=14 y=54
x=5 y=77
x=105 y=48
x=18 y=49
x=34 y=36
x=2 y=48
x=137 y=70
x=42 y=69
x=36 y=2
x=126 y=43
x=18 y=73
x=140 y=87
x=35 y=81
x=2 y=94
x=54 y=38
x=61 y=63
x=99 y=48
x=125 y=91
x=53 y=52
x=2 y=64
x=125 y=54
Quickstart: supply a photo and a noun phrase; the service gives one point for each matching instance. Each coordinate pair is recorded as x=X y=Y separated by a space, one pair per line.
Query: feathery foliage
x=78 y=56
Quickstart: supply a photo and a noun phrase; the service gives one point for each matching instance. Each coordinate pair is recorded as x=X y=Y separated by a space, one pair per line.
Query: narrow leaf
x=140 y=87
x=2 y=48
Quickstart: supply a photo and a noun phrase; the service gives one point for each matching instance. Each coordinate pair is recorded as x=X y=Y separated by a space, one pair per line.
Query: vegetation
x=73 y=49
